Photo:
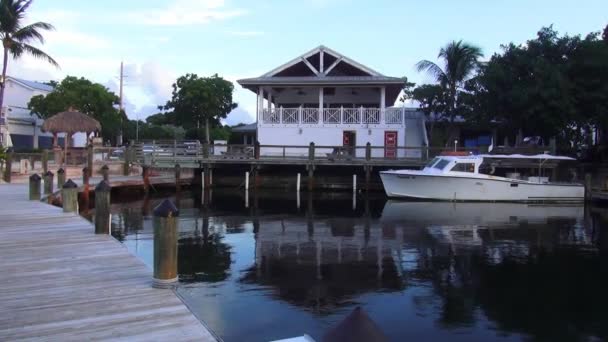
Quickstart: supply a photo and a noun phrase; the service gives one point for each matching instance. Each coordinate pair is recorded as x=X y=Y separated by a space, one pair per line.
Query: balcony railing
x=334 y=116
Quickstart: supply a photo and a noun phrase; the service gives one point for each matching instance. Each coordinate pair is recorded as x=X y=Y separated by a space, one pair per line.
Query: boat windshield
x=441 y=164
x=432 y=162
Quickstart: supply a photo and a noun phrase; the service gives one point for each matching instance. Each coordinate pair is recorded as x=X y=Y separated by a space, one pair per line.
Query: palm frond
x=37 y=53
x=31 y=31
x=431 y=68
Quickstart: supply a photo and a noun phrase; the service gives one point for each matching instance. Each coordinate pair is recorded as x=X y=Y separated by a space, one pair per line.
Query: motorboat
x=485 y=177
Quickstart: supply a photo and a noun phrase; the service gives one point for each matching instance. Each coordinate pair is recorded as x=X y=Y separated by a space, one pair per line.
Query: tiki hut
x=70 y=122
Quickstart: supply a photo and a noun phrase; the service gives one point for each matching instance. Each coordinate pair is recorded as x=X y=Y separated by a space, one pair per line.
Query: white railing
x=335 y=116
x=291 y=115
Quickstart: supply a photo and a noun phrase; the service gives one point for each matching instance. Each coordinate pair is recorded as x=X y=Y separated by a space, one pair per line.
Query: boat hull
x=452 y=188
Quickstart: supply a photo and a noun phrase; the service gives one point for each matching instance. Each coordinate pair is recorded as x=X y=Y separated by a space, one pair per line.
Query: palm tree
x=16 y=36
x=460 y=62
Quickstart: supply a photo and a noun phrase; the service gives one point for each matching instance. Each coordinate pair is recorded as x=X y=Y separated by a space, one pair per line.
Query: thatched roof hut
x=71 y=122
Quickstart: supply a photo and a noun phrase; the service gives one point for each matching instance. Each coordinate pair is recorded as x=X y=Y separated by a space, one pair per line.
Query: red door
x=348 y=141
x=390 y=144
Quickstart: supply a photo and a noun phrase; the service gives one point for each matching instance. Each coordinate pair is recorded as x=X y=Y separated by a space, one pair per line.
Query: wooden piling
x=588 y=186
x=298 y=182
x=368 y=151
x=368 y=176
x=311 y=174
x=85 y=187
x=45 y=161
x=105 y=172
x=247 y=180
x=145 y=173
x=48 y=182
x=102 y=208
x=35 y=187
x=69 y=196
x=165 y=245
x=355 y=182
x=60 y=178
x=8 y=166
x=90 y=160
x=178 y=172
x=126 y=166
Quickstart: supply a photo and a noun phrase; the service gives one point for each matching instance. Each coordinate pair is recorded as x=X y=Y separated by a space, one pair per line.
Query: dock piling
x=48 y=182
x=69 y=196
x=45 y=160
x=355 y=182
x=90 y=160
x=298 y=183
x=35 y=180
x=85 y=187
x=588 y=186
x=145 y=173
x=60 y=178
x=203 y=182
x=102 y=208
x=178 y=172
x=126 y=167
x=247 y=180
x=105 y=172
x=8 y=165
x=165 y=245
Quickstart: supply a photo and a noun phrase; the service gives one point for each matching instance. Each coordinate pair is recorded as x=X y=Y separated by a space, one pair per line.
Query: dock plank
x=62 y=282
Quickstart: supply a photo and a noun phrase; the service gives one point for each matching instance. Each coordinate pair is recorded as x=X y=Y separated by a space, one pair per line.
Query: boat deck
x=60 y=281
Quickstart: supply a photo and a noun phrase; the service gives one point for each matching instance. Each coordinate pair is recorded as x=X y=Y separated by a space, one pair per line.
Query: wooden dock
x=60 y=281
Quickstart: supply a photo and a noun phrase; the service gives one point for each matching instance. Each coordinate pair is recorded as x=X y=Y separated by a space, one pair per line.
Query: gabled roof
x=32 y=84
x=325 y=70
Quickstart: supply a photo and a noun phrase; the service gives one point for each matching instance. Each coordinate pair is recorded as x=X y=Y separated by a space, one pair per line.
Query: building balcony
x=335 y=116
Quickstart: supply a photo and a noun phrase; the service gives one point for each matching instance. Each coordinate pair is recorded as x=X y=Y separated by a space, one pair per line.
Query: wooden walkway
x=60 y=281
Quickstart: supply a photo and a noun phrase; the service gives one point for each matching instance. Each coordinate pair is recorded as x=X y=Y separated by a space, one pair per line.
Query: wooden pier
x=61 y=281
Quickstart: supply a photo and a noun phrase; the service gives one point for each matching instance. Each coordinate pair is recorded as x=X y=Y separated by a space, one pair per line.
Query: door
x=349 y=142
x=390 y=144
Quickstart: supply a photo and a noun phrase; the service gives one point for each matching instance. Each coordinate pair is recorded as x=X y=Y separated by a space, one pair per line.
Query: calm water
x=274 y=267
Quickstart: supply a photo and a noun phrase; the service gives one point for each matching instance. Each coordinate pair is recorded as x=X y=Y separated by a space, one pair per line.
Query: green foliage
x=216 y=133
x=149 y=131
x=89 y=98
x=407 y=91
x=161 y=119
x=200 y=101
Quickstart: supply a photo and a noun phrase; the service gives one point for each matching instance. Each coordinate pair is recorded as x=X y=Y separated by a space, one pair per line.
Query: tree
x=432 y=101
x=89 y=98
x=605 y=34
x=201 y=100
x=460 y=61
x=16 y=36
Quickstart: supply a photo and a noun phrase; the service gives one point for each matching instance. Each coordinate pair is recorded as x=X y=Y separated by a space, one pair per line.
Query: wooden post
x=298 y=183
x=127 y=164
x=60 y=178
x=206 y=176
x=368 y=176
x=311 y=152
x=48 y=182
x=368 y=151
x=256 y=150
x=105 y=172
x=165 y=245
x=69 y=197
x=102 y=208
x=587 y=186
x=206 y=151
x=310 y=177
x=146 y=176
x=8 y=167
x=247 y=180
x=85 y=188
x=354 y=182
x=178 y=172
x=45 y=160
x=35 y=187
x=89 y=160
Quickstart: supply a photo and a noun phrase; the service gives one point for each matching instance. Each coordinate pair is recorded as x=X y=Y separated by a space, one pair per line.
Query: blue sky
x=159 y=40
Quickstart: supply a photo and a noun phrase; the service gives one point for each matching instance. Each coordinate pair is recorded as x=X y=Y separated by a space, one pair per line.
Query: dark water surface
x=276 y=267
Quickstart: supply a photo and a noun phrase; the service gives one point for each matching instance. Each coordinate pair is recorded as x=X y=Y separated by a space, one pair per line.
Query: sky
x=160 y=40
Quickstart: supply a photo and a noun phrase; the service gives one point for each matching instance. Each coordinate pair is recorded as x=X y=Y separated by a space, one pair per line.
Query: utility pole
x=120 y=106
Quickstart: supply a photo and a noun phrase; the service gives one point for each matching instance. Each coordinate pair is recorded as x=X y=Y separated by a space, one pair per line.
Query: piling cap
x=85 y=169
x=35 y=177
x=166 y=209
x=103 y=186
x=61 y=171
x=356 y=327
x=105 y=167
x=70 y=184
x=49 y=173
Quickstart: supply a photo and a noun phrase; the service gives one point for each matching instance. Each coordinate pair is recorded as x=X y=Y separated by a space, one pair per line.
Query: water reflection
x=424 y=271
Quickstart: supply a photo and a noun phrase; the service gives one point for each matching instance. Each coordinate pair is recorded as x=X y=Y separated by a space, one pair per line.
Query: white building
x=327 y=98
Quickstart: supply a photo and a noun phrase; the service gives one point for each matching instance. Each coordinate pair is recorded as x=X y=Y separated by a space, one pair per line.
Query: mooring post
x=587 y=186
x=60 y=178
x=354 y=182
x=126 y=166
x=311 y=167
x=256 y=150
x=165 y=245
x=45 y=160
x=90 y=159
x=145 y=173
x=298 y=183
x=105 y=172
x=48 y=182
x=210 y=177
x=368 y=151
x=203 y=182
x=69 y=196
x=102 y=207
x=35 y=187
x=178 y=172
x=207 y=176
x=247 y=180
x=368 y=176
x=85 y=188
x=8 y=166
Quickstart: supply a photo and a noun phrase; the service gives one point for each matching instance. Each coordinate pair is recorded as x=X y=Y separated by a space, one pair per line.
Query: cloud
x=186 y=12
x=239 y=115
x=74 y=38
x=246 y=33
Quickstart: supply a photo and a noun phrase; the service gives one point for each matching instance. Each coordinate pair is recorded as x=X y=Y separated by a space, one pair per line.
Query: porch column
x=269 y=101
x=382 y=102
x=321 y=105
x=35 y=135
x=260 y=114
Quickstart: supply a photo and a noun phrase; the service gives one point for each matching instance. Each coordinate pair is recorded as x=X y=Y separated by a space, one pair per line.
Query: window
x=441 y=164
x=432 y=162
x=464 y=167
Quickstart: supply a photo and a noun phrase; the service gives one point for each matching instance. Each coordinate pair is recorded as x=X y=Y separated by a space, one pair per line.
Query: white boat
x=475 y=178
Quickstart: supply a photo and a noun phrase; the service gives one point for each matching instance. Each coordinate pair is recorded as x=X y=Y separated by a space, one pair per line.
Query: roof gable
x=31 y=84
x=321 y=61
